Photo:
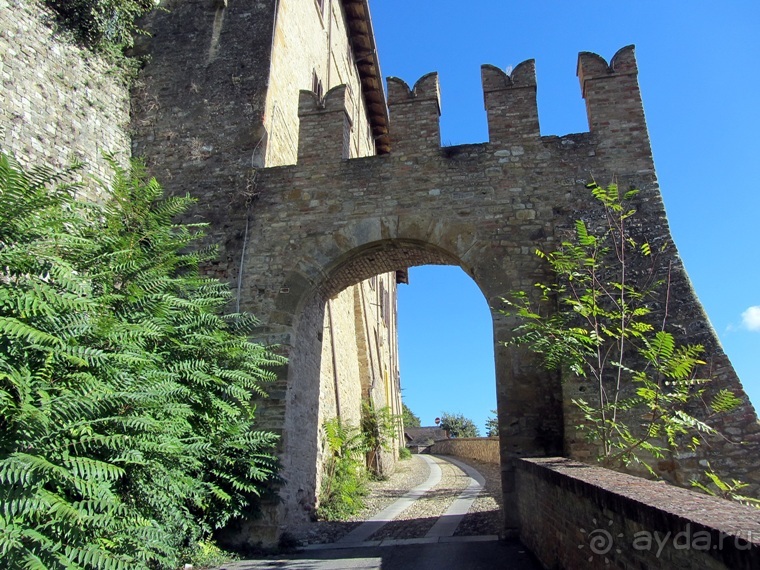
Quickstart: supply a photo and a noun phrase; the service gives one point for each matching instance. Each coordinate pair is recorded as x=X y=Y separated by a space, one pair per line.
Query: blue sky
x=699 y=71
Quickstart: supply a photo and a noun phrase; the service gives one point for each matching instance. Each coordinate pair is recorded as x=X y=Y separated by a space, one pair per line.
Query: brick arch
x=381 y=257
x=522 y=404
x=369 y=246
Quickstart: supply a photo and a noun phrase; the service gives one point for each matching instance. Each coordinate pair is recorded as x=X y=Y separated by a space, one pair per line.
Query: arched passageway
x=327 y=223
x=529 y=404
x=446 y=351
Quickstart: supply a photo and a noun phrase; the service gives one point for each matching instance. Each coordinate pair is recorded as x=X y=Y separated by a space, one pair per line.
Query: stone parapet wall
x=485 y=449
x=574 y=515
x=60 y=103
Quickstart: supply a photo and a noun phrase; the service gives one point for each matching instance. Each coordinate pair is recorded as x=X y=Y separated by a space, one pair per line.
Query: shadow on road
x=457 y=554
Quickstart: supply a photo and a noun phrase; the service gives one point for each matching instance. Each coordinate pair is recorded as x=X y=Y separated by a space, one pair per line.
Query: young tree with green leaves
x=126 y=432
x=597 y=320
x=458 y=425
x=409 y=417
x=492 y=425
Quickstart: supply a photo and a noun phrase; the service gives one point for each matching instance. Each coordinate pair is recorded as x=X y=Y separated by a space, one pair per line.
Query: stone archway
x=327 y=222
x=530 y=408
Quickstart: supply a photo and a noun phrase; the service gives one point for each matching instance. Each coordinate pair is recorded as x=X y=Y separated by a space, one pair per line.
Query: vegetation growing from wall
x=344 y=483
x=125 y=416
x=604 y=318
x=107 y=27
x=459 y=426
x=103 y=25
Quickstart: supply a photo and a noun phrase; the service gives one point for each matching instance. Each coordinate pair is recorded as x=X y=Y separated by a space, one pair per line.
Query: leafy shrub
x=206 y=554
x=379 y=426
x=344 y=483
x=596 y=319
x=102 y=24
x=404 y=453
x=125 y=416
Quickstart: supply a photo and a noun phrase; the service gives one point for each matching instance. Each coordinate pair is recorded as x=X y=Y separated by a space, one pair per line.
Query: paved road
x=454 y=555
x=437 y=550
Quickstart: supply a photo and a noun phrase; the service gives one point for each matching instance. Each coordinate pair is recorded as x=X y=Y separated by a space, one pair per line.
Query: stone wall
x=485 y=449
x=60 y=103
x=376 y=307
x=311 y=45
x=199 y=103
x=218 y=101
x=576 y=516
x=327 y=223
x=359 y=361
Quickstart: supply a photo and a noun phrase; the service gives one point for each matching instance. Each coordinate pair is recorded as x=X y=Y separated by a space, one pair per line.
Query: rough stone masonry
x=327 y=223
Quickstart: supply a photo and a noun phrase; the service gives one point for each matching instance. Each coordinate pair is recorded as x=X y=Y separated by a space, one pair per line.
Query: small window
x=316 y=85
x=346 y=138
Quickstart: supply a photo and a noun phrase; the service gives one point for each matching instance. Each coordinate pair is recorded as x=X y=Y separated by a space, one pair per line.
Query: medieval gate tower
x=351 y=188
x=320 y=191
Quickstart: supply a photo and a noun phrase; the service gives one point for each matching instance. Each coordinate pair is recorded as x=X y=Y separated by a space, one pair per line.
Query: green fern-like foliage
x=596 y=319
x=379 y=427
x=125 y=415
x=345 y=475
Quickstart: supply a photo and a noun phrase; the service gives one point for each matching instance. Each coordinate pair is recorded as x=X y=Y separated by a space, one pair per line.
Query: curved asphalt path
x=438 y=550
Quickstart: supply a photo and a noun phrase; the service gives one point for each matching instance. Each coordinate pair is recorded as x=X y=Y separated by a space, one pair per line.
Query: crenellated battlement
x=416 y=114
x=325 y=125
x=510 y=102
x=592 y=66
x=611 y=91
x=426 y=89
x=613 y=101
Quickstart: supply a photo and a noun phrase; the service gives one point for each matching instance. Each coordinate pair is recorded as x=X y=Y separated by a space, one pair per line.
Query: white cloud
x=751 y=318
